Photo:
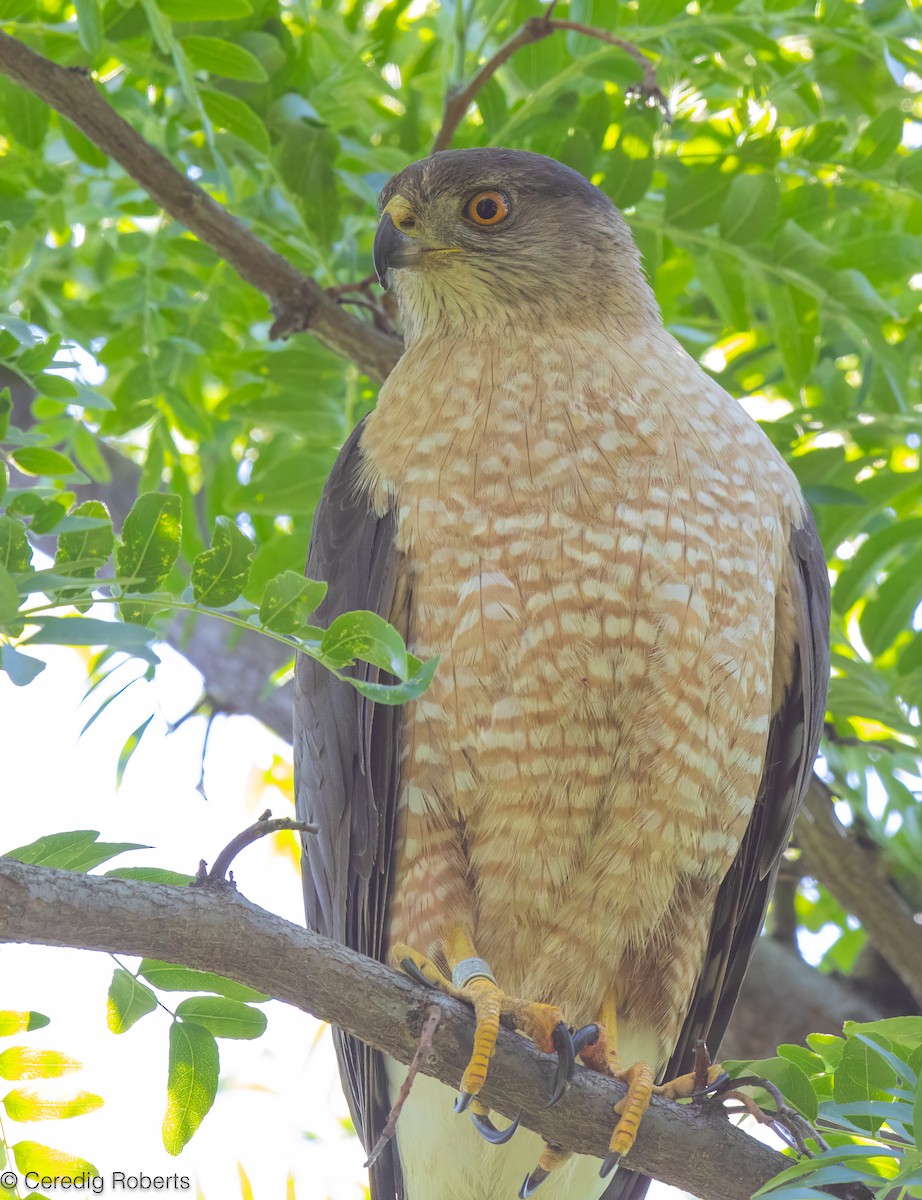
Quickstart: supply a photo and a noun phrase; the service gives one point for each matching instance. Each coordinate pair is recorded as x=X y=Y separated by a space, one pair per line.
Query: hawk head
x=478 y=240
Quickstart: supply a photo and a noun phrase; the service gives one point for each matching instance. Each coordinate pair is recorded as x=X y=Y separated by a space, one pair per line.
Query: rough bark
x=693 y=1147
x=852 y=871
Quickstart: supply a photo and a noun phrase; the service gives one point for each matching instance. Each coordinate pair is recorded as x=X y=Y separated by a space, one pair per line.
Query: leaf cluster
x=864 y=1094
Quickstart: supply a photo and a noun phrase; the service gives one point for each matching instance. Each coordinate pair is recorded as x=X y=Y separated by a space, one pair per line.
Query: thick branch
x=835 y=857
x=535 y=29
x=298 y=301
x=691 y=1147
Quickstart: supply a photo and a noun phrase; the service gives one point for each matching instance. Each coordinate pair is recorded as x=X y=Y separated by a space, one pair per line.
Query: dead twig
x=535 y=29
x=265 y=825
x=420 y=1058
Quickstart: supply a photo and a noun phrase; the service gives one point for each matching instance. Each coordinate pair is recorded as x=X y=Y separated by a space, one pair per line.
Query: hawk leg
x=472 y=981
x=603 y=1057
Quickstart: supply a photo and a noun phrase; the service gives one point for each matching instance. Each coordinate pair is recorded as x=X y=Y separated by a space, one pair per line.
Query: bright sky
x=279 y=1107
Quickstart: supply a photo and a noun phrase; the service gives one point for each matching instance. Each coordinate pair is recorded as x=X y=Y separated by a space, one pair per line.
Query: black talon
x=566 y=1061
x=489 y=1132
x=609 y=1164
x=532 y=1182
x=463 y=1103
x=410 y=968
x=587 y=1036
x=714 y=1088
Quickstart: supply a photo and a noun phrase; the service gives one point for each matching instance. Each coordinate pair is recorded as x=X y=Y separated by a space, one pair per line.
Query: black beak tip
x=385 y=243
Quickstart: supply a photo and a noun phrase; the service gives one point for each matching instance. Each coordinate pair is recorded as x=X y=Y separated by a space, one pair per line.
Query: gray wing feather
x=793 y=742
x=346 y=754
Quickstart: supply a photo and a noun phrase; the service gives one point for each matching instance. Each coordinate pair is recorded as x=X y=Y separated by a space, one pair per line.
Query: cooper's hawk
x=630 y=604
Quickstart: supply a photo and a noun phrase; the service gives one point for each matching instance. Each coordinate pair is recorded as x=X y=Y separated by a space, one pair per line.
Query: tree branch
x=784 y=998
x=835 y=857
x=298 y=301
x=535 y=29
x=694 y=1147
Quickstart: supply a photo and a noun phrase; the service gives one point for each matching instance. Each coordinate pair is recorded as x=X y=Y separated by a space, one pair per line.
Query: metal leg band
x=471 y=968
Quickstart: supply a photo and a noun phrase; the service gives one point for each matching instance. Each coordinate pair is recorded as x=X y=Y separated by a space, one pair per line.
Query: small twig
x=344 y=289
x=535 y=29
x=786 y=1122
x=200 y=706
x=648 y=89
x=265 y=825
x=420 y=1058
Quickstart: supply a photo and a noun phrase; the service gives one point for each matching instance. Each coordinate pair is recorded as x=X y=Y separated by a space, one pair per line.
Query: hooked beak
x=393 y=249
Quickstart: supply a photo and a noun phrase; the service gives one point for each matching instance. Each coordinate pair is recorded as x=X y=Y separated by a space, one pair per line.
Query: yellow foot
x=473 y=982
x=640 y=1087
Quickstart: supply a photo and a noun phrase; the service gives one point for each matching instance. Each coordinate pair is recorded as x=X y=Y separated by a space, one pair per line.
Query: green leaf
x=826 y=493
x=171 y=978
x=694 y=199
x=205 y=10
x=85 y=150
x=227 y=112
x=91 y=548
x=35 y=460
x=77 y=850
x=15 y=552
x=219 y=575
x=21 y=1022
x=891 y=611
x=219 y=57
x=786 y=1075
x=22 y=1062
x=26 y=116
x=125 y=754
x=31 y=1156
x=56 y=386
x=399 y=693
x=809 y=1063
x=749 y=208
x=23 y=1105
x=39 y=356
x=917 y=1110
x=150 y=546
x=879 y=140
x=151 y=875
x=89 y=25
x=629 y=168
x=129 y=1000
x=89 y=631
x=289 y=599
x=9 y=599
x=366 y=636
x=192 y=1083
x=6 y=407
x=51 y=513
x=21 y=668
x=306 y=158
x=795 y=327
x=904 y=1031
x=862 y=1074
x=222 y=1017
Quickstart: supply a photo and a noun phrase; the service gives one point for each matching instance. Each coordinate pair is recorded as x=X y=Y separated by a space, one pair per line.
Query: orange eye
x=488 y=208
